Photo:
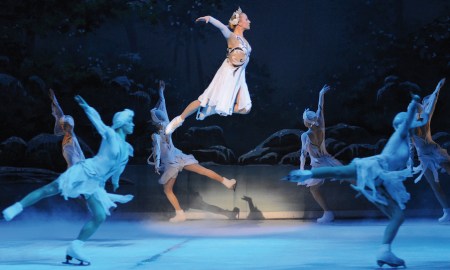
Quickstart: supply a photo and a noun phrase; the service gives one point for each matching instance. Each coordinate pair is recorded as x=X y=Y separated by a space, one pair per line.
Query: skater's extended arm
x=431 y=103
x=303 y=151
x=161 y=105
x=56 y=112
x=320 y=114
x=93 y=116
x=222 y=27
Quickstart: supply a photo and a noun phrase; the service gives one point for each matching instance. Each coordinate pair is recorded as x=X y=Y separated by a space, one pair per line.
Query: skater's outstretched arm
x=431 y=102
x=319 y=113
x=93 y=116
x=222 y=27
x=57 y=113
x=161 y=105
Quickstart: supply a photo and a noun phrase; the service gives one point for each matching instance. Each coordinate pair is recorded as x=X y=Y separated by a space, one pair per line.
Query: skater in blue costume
x=380 y=178
x=170 y=160
x=88 y=177
x=228 y=91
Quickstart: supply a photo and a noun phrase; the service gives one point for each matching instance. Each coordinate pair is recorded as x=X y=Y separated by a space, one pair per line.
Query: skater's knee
x=99 y=218
x=168 y=190
x=398 y=216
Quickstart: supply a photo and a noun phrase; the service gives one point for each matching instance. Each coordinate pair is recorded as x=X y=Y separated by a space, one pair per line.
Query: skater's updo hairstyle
x=234 y=20
x=67 y=119
x=158 y=117
x=310 y=117
x=120 y=118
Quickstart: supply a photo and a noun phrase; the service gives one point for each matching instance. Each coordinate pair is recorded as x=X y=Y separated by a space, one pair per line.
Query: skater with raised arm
x=64 y=125
x=228 y=92
x=313 y=144
x=170 y=161
x=431 y=156
x=380 y=178
x=88 y=178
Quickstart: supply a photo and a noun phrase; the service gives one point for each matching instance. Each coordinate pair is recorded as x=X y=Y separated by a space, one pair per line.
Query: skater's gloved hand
x=203 y=19
x=81 y=101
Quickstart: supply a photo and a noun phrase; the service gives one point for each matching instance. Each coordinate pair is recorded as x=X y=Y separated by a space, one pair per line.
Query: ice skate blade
x=81 y=263
x=381 y=263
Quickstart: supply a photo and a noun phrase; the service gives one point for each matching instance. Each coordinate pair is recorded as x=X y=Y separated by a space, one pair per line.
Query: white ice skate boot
x=12 y=211
x=387 y=257
x=174 y=124
x=120 y=198
x=298 y=176
x=229 y=183
x=446 y=216
x=75 y=251
x=179 y=217
x=327 y=217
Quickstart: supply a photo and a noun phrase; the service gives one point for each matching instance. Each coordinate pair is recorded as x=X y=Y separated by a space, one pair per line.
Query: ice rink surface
x=35 y=244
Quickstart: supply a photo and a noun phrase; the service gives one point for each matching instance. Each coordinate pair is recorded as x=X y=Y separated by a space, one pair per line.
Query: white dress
x=373 y=174
x=319 y=158
x=228 y=85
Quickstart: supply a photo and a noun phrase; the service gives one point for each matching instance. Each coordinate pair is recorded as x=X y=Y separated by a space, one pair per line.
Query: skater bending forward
x=88 y=177
x=380 y=178
x=170 y=161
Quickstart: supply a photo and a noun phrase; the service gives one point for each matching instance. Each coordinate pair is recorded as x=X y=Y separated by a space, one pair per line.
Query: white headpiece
x=234 y=20
x=67 y=119
x=310 y=117
x=120 y=118
x=158 y=116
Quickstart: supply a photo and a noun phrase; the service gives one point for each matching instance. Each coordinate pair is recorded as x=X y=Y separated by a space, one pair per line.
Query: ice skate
x=12 y=211
x=298 y=176
x=229 y=183
x=174 y=124
x=120 y=198
x=387 y=257
x=75 y=251
x=446 y=217
x=327 y=217
x=179 y=217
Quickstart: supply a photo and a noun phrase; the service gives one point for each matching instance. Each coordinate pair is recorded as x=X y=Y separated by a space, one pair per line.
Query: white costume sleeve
x=96 y=120
x=222 y=27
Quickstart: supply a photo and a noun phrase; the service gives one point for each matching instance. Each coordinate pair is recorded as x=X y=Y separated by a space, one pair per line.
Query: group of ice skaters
x=379 y=178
